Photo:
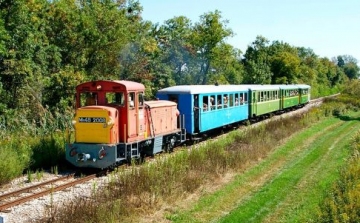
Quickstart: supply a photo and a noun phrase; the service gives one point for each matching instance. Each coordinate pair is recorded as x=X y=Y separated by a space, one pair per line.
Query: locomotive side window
x=131 y=100
x=141 y=99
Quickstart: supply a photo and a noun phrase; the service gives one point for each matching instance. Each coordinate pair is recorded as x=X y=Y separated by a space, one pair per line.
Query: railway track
x=12 y=199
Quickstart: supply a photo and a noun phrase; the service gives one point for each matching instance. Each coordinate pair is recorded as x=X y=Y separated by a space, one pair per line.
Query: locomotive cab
x=123 y=103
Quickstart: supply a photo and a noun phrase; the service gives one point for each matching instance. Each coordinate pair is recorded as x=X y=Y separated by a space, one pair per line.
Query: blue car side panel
x=218 y=118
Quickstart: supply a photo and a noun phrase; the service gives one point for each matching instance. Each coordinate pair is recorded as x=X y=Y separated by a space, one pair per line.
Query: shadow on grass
x=347 y=118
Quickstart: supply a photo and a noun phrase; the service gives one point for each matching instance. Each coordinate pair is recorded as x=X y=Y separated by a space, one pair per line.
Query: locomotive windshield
x=115 y=98
x=88 y=98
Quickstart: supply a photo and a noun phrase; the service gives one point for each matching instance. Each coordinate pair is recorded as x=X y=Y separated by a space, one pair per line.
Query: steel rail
x=27 y=189
x=45 y=192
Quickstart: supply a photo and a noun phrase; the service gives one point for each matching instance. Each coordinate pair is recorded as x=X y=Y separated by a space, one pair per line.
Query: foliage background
x=49 y=47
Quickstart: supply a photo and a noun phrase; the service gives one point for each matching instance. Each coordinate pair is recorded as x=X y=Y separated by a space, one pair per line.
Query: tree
x=227 y=65
x=176 y=50
x=351 y=70
x=349 y=65
x=3 y=51
x=28 y=55
x=257 y=62
x=208 y=34
x=309 y=63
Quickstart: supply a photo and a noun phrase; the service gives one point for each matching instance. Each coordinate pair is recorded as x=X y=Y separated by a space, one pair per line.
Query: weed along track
x=286 y=186
x=17 y=197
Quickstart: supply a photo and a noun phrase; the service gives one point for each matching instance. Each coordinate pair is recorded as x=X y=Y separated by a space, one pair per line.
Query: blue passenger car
x=208 y=107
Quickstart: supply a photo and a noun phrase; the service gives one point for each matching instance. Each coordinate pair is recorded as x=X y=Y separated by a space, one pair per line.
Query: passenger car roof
x=202 y=89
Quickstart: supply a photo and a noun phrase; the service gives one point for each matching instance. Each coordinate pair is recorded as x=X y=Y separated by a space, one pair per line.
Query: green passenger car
x=290 y=96
x=304 y=93
x=264 y=99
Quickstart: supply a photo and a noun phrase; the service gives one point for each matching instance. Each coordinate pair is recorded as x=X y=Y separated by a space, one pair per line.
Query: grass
x=305 y=169
x=341 y=203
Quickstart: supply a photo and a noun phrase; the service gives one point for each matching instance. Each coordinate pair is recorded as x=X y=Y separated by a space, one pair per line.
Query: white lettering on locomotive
x=92 y=119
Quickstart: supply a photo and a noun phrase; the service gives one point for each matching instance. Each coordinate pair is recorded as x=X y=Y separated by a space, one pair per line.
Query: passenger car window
x=231 y=100
x=205 y=103
x=212 y=102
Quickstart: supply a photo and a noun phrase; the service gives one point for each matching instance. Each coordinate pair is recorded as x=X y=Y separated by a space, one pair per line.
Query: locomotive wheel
x=169 y=148
x=142 y=158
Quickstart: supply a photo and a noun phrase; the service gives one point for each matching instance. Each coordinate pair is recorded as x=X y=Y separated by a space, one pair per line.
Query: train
x=114 y=124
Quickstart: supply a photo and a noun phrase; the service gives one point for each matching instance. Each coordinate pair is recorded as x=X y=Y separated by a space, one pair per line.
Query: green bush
x=20 y=153
x=15 y=158
x=48 y=151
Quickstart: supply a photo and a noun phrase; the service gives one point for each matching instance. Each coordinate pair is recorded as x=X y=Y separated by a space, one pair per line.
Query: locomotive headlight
x=110 y=122
x=73 y=152
x=73 y=122
x=102 y=153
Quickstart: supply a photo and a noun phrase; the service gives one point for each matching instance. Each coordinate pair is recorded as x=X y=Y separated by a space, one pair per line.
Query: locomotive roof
x=129 y=85
x=198 y=89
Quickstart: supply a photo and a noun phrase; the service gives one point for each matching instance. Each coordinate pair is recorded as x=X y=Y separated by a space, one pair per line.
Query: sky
x=329 y=27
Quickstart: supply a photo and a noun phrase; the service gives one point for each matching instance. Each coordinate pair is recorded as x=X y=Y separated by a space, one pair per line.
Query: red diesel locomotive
x=114 y=124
